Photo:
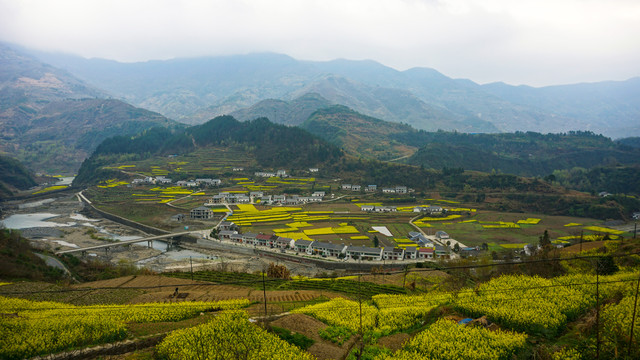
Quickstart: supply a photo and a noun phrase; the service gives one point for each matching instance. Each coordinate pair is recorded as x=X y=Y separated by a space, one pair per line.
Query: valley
x=271 y=208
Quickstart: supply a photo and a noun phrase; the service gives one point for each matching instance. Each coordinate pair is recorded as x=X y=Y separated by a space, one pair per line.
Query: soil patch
x=394 y=342
x=585 y=246
x=309 y=327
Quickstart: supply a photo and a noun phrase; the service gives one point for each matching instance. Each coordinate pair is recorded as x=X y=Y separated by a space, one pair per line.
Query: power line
x=257 y=281
x=441 y=297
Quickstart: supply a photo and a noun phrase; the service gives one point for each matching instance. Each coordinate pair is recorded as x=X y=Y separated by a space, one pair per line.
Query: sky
x=532 y=42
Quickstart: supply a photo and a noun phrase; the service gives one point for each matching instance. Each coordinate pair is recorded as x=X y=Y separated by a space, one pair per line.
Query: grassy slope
x=359 y=135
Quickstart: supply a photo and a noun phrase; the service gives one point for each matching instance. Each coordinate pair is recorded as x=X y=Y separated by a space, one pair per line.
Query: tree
x=278 y=271
x=606 y=265
x=456 y=248
x=485 y=246
x=376 y=241
x=545 y=241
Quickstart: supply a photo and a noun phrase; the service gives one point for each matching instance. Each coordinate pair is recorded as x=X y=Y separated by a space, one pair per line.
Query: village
x=423 y=248
x=418 y=247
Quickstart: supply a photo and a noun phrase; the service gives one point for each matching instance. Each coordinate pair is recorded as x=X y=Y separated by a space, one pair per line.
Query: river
x=46 y=226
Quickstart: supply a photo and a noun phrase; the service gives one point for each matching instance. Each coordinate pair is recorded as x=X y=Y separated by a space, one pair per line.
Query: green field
x=470 y=226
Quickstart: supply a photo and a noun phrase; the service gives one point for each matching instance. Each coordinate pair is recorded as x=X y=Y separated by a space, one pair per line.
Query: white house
x=364 y=253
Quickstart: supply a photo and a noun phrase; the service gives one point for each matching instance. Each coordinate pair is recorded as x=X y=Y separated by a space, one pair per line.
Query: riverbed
x=57 y=224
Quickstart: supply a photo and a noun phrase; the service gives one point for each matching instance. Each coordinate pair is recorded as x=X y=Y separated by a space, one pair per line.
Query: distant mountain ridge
x=293 y=112
x=51 y=121
x=611 y=107
x=195 y=90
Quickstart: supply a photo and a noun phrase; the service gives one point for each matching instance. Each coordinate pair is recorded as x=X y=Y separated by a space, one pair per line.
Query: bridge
x=149 y=241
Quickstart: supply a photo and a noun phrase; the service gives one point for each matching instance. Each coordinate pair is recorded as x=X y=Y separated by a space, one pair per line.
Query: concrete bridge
x=149 y=241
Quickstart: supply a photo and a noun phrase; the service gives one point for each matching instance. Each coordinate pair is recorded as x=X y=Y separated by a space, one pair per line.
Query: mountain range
x=195 y=90
x=56 y=109
x=51 y=121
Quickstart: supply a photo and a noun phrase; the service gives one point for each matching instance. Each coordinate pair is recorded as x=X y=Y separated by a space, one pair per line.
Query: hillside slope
x=524 y=154
x=51 y=121
x=358 y=135
x=13 y=175
x=272 y=145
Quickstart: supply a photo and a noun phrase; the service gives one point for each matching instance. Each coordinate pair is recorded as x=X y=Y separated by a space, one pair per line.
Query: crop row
x=46 y=327
x=445 y=339
x=348 y=287
x=229 y=336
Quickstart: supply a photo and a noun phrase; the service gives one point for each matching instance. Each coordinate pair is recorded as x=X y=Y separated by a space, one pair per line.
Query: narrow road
x=55 y=263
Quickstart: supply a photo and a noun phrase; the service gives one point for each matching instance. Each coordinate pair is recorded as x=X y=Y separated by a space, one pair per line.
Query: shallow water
x=37 y=220
x=25 y=221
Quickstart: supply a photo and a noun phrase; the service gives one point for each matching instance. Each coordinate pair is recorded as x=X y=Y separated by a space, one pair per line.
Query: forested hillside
x=13 y=175
x=525 y=154
x=359 y=135
x=273 y=145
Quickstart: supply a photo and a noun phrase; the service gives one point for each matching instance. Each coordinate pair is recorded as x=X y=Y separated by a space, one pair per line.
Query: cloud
x=525 y=41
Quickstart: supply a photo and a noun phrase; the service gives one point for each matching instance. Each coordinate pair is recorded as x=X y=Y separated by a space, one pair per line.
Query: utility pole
x=597 y=311
x=360 y=306
x=264 y=293
x=633 y=318
x=404 y=279
x=191 y=262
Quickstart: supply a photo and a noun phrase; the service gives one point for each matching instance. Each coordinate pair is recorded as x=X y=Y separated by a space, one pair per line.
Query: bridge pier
x=172 y=241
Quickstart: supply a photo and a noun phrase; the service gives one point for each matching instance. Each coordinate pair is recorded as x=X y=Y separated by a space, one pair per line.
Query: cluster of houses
x=259 y=196
x=229 y=231
x=417 y=209
x=374 y=188
x=266 y=174
x=183 y=183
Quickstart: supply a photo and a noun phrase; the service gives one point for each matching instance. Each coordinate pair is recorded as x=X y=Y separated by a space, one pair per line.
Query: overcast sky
x=534 y=42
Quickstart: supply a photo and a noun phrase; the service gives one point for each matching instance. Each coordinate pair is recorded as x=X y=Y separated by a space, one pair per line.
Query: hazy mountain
x=51 y=121
x=293 y=112
x=611 y=107
x=195 y=90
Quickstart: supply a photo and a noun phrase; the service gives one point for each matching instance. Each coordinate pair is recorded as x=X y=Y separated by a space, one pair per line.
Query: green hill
x=524 y=154
x=359 y=135
x=13 y=175
x=271 y=145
